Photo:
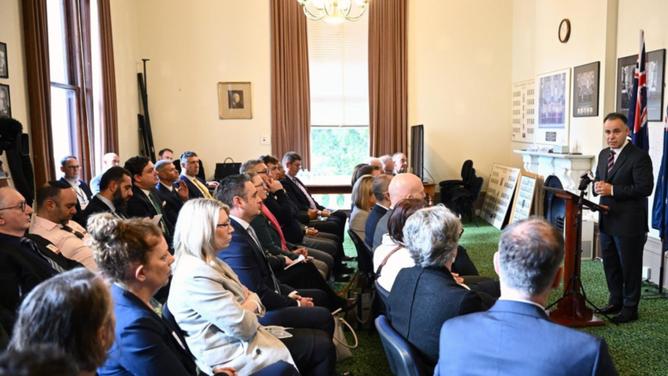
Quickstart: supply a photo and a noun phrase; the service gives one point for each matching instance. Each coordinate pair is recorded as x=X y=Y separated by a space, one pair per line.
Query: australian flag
x=659 y=212
x=638 y=105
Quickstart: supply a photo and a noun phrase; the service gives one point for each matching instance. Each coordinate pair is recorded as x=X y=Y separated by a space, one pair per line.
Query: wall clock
x=564 y=30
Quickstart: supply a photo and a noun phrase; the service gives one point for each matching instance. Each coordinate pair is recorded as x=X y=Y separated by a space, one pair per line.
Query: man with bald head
x=401 y=187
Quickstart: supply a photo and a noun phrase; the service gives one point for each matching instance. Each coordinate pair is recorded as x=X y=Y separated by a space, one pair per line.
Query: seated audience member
x=309 y=209
x=285 y=264
x=405 y=186
x=166 y=154
x=285 y=306
x=115 y=191
x=22 y=265
x=219 y=315
x=515 y=336
x=365 y=169
x=388 y=164
x=52 y=223
x=379 y=188
x=400 y=163
x=145 y=201
x=392 y=253
x=37 y=360
x=426 y=295
x=109 y=160
x=72 y=311
x=363 y=200
x=272 y=210
x=71 y=169
x=170 y=190
x=375 y=162
x=190 y=175
x=134 y=255
x=329 y=249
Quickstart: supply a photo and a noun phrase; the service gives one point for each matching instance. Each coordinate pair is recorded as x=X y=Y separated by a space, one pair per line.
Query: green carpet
x=638 y=348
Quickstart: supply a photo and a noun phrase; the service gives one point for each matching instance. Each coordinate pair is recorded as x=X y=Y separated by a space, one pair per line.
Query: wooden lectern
x=572 y=307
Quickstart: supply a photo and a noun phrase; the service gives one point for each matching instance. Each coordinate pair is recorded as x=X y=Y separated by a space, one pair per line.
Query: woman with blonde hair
x=363 y=200
x=220 y=315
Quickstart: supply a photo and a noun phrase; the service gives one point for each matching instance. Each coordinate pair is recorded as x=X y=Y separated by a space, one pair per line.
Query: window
x=338 y=69
x=74 y=66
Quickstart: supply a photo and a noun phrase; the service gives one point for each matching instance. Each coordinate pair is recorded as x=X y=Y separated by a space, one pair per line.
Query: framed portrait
x=655 y=80
x=5 y=103
x=585 y=89
x=552 y=114
x=4 y=68
x=234 y=100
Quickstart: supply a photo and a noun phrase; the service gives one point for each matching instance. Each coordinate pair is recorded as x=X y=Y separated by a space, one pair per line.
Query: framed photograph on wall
x=655 y=79
x=585 y=89
x=4 y=67
x=234 y=100
x=5 y=103
x=552 y=114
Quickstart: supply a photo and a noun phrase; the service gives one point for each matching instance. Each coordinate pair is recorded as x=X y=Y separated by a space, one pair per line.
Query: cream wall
x=11 y=32
x=459 y=83
x=192 y=46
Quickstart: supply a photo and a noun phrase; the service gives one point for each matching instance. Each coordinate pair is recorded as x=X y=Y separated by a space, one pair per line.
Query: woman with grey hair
x=424 y=296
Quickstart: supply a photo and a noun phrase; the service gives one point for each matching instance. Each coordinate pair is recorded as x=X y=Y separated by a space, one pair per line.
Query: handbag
x=226 y=169
x=341 y=343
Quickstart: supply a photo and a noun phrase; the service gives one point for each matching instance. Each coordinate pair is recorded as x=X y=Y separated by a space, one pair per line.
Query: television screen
x=417 y=150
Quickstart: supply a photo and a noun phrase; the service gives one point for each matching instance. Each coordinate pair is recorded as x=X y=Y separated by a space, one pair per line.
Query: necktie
x=274 y=223
x=253 y=236
x=202 y=188
x=29 y=244
x=69 y=229
x=611 y=160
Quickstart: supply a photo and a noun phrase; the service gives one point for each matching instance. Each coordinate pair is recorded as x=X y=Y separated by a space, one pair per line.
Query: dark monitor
x=417 y=150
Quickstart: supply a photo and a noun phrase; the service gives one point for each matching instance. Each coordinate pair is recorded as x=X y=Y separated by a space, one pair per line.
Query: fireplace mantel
x=567 y=167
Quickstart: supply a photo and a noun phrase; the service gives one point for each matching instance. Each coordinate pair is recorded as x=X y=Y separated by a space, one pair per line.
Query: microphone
x=585 y=180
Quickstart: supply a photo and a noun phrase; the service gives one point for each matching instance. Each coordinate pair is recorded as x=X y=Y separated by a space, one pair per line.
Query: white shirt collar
x=522 y=301
x=243 y=223
x=168 y=186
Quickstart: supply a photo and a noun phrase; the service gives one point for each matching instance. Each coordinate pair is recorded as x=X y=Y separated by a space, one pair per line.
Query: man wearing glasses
x=22 y=265
x=71 y=168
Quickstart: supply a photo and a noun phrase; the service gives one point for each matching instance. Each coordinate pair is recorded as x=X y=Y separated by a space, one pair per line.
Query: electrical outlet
x=264 y=140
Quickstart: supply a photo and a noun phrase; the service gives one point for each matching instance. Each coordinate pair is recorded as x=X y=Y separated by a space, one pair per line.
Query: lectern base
x=572 y=311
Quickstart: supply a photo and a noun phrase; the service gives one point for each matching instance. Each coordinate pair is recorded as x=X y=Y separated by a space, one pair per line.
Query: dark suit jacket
x=98 y=206
x=286 y=212
x=297 y=196
x=381 y=229
x=421 y=300
x=145 y=343
x=172 y=205
x=516 y=338
x=376 y=213
x=79 y=216
x=140 y=206
x=193 y=191
x=632 y=179
x=20 y=271
x=269 y=237
x=253 y=269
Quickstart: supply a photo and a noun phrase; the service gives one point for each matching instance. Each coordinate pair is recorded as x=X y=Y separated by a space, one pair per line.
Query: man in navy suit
x=71 y=169
x=379 y=188
x=624 y=179
x=170 y=190
x=515 y=337
x=285 y=305
x=190 y=171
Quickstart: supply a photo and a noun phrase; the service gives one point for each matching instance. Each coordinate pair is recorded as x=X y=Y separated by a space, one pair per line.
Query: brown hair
x=402 y=210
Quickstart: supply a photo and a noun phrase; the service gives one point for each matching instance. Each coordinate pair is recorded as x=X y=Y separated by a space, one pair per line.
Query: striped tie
x=611 y=160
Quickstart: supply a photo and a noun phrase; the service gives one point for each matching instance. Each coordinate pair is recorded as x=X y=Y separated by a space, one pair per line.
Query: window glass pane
x=63 y=122
x=335 y=151
x=96 y=100
x=58 y=59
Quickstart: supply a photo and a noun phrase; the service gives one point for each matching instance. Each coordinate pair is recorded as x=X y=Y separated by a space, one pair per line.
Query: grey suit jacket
x=206 y=303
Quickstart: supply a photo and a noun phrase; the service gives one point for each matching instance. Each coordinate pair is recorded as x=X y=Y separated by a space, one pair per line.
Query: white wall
x=459 y=83
x=11 y=33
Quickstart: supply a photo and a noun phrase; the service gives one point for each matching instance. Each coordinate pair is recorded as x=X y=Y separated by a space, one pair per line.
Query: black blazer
x=632 y=180
x=269 y=237
x=172 y=202
x=140 y=206
x=297 y=196
x=377 y=212
x=20 y=271
x=253 y=269
x=285 y=211
x=79 y=216
x=421 y=300
x=98 y=206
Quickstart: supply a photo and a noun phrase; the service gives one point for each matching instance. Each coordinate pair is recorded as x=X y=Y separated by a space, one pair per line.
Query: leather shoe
x=625 y=316
x=610 y=309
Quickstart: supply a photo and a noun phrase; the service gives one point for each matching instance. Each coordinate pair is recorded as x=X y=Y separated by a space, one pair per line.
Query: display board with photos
x=655 y=65
x=523 y=111
x=552 y=115
x=585 y=89
x=500 y=192
x=527 y=196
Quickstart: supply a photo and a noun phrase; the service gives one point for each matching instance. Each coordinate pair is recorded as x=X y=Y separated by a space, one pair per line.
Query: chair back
x=400 y=355
x=364 y=257
x=467 y=170
x=383 y=294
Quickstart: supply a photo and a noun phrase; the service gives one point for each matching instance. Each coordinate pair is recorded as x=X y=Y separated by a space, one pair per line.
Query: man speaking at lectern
x=624 y=179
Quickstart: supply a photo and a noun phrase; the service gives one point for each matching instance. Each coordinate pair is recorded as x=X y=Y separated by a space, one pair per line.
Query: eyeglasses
x=223 y=224
x=21 y=206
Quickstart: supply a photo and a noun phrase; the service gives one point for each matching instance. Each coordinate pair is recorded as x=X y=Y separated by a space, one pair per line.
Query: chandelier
x=334 y=11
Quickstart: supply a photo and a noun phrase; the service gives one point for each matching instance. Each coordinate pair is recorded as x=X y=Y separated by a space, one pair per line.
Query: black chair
x=449 y=186
x=383 y=297
x=400 y=355
x=364 y=256
x=463 y=199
